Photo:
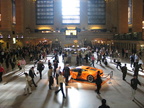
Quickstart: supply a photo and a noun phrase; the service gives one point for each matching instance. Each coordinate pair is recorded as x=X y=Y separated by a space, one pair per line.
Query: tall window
x=96 y=12
x=70 y=11
x=130 y=12
x=45 y=12
x=0 y=11
x=13 y=12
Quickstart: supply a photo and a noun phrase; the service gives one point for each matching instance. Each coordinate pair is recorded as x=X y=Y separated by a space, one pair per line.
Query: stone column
x=122 y=16
x=137 y=15
x=6 y=15
x=19 y=27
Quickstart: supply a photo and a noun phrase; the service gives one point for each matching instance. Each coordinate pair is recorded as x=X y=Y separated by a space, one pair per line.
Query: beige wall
x=116 y=18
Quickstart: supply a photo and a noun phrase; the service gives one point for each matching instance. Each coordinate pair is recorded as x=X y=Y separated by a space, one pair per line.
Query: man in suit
x=32 y=74
x=40 y=68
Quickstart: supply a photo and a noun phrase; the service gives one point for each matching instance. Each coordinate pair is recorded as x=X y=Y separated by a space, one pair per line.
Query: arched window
x=70 y=11
x=13 y=12
x=130 y=12
x=45 y=12
x=96 y=12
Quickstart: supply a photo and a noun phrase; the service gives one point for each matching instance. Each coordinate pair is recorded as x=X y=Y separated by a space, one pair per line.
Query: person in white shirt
x=61 y=80
x=27 y=88
x=140 y=61
x=58 y=70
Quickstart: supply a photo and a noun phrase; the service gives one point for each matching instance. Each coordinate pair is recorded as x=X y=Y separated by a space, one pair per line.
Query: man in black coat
x=134 y=84
x=40 y=68
x=124 y=71
x=32 y=74
x=136 y=69
x=49 y=64
x=98 y=82
x=66 y=73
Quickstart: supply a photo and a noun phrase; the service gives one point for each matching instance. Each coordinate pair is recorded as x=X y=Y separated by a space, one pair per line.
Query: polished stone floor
x=79 y=94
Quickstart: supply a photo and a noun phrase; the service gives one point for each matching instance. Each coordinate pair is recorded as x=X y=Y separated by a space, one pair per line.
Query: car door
x=74 y=73
x=84 y=74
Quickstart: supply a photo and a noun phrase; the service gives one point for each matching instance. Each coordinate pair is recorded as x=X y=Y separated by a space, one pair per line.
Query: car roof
x=84 y=67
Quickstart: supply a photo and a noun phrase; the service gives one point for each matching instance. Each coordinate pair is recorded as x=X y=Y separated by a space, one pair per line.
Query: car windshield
x=93 y=69
x=76 y=70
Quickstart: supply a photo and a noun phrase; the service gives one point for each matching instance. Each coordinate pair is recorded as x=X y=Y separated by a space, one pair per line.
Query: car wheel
x=90 y=78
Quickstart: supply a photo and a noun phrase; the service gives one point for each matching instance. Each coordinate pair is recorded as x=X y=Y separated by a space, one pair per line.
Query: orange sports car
x=85 y=72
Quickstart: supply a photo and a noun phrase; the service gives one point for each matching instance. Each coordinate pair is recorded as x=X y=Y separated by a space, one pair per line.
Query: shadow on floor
x=18 y=101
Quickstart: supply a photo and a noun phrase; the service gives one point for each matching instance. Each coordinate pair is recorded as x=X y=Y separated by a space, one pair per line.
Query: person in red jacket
x=1 y=72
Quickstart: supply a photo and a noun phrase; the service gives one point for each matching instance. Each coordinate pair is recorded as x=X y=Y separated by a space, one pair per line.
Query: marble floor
x=79 y=94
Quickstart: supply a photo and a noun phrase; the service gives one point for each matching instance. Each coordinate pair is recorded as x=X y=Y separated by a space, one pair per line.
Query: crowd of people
x=20 y=56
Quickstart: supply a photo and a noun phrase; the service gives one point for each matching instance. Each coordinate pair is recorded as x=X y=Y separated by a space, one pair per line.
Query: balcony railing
x=128 y=36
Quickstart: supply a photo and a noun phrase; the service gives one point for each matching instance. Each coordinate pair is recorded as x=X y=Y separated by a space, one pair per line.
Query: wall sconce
x=14 y=40
x=22 y=36
x=17 y=36
x=9 y=37
x=1 y=37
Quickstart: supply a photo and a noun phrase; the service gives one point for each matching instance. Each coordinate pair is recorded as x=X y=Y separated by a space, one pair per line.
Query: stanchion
x=111 y=75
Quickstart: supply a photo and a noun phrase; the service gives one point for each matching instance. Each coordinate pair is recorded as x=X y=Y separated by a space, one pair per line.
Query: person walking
x=103 y=104
x=136 y=69
x=19 y=65
x=132 y=60
x=58 y=70
x=55 y=64
x=136 y=59
x=93 y=60
x=12 y=63
x=124 y=72
x=134 y=84
x=77 y=59
x=49 y=64
x=50 y=77
x=32 y=74
x=22 y=64
x=98 y=58
x=1 y=72
x=98 y=82
x=7 y=61
x=61 y=80
x=40 y=68
x=118 y=63
x=66 y=73
x=27 y=88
